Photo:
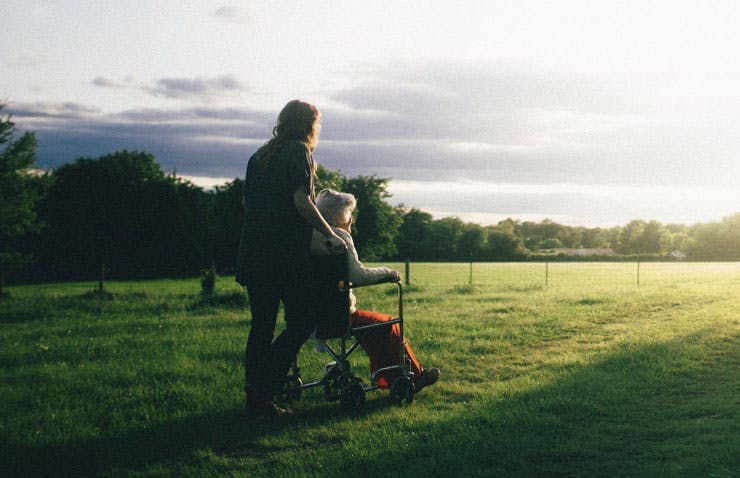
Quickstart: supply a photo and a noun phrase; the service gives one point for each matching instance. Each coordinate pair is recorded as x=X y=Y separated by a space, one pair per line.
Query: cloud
x=49 y=110
x=108 y=83
x=195 y=141
x=463 y=101
x=577 y=167
x=197 y=114
x=204 y=89
x=498 y=123
x=429 y=120
x=520 y=122
x=462 y=85
x=234 y=14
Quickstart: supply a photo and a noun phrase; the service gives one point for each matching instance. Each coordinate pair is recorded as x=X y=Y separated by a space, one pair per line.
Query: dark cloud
x=196 y=113
x=436 y=160
x=197 y=141
x=216 y=142
x=438 y=120
x=513 y=121
x=107 y=83
x=65 y=110
x=196 y=88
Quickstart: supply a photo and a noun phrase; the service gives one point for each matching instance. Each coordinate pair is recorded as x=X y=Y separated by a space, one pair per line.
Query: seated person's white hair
x=336 y=207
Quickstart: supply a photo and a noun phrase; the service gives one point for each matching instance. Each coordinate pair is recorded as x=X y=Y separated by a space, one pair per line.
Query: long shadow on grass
x=170 y=445
x=56 y=309
x=667 y=409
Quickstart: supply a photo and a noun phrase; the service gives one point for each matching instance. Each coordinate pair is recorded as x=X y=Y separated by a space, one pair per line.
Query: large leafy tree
x=717 y=240
x=628 y=241
x=592 y=238
x=471 y=242
x=19 y=192
x=503 y=243
x=123 y=212
x=442 y=241
x=412 y=233
x=640 y=237
x=377 y=221
x=326 y=178
x=228 y=217
x=654 y=239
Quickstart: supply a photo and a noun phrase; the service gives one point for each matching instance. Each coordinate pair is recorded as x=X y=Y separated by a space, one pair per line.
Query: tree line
x=120 y=215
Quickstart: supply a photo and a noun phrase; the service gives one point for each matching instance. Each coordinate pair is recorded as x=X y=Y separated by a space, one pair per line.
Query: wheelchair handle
x=336 y=249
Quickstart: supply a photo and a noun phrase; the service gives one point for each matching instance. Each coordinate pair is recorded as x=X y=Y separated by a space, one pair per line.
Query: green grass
x=589 y=376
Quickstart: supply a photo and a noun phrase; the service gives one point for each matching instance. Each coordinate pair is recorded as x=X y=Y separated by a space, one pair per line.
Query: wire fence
x=566 y=274
x=433 y=277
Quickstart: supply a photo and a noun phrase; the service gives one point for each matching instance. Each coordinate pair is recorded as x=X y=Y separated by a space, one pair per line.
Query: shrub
x=208 y=279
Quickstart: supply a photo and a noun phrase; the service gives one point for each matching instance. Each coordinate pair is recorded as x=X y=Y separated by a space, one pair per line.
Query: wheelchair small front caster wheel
x=353 y=397
x=403 y=389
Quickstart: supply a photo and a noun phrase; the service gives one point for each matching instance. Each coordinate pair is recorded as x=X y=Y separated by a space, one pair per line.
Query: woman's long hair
x=297 y=121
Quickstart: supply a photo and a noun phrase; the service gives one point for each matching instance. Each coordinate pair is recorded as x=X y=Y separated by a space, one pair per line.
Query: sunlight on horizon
x=474 y=199
x=709 y=205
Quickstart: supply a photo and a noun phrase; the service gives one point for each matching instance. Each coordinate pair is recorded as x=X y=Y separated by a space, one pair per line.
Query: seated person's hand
x=335 y=244
x=395 y=276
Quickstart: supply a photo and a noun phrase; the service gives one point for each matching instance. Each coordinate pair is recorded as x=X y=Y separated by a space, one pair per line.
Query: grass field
x=589 y=376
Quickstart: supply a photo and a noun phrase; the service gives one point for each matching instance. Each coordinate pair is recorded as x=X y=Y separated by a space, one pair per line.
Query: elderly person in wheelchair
x=381 y=344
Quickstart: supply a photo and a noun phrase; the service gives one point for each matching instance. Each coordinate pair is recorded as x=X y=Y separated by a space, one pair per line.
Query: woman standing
x=279 y=216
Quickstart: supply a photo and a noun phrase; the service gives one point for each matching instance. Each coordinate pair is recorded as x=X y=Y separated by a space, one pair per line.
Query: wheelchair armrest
x=384 y=281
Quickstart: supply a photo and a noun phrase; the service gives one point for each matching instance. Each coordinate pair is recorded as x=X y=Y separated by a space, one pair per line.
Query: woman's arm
x=359 y=274
x=307 y=210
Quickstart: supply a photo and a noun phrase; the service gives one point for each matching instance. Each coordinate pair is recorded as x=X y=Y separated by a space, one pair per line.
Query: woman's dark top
x=275 y=240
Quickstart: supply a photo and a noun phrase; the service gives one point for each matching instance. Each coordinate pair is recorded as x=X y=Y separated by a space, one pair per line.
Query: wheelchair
x=332 y=285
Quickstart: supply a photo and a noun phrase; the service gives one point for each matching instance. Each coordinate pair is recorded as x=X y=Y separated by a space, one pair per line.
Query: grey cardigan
x=359 y=274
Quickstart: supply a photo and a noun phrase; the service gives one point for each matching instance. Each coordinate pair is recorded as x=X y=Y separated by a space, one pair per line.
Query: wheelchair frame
x=338 y=380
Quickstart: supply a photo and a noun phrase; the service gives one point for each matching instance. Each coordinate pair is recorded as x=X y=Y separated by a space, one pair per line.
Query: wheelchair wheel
x=333 y=385
x=402 y=389
x=293 y=388
x=353 y=397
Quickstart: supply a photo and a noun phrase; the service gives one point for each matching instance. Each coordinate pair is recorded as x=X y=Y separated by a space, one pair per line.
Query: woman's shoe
x=261 y=407
x=427 y=377
x=268 y=410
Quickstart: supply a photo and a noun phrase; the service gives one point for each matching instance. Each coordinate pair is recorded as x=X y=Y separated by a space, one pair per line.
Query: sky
x=586 y=113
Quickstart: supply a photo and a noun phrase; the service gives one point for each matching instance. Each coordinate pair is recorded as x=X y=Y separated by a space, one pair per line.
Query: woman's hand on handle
x=307 y=209
x=335 y=244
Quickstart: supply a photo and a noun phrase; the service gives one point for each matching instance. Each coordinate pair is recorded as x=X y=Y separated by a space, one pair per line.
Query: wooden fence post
x=101 y=279
x=470 y=278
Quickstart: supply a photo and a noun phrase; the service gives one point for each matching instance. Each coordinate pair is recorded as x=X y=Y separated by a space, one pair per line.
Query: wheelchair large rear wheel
x=293 y=388
x=333 y=384
x=353 y=397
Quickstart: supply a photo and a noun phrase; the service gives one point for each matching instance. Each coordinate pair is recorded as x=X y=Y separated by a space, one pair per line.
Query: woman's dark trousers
x=266 y=363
